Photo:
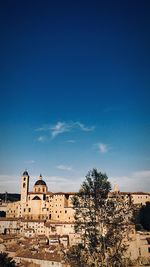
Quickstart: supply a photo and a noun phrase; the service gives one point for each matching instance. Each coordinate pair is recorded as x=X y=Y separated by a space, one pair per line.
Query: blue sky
x=74 y=92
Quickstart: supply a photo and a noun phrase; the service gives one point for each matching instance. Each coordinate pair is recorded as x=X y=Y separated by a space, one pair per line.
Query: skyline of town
x=74 y=93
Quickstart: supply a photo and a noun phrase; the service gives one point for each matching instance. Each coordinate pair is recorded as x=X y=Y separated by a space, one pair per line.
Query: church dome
x=40 y=182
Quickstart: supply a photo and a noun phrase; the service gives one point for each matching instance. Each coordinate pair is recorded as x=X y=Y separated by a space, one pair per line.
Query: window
x=149 y=249
x=38 y=189
x=24 y=210
x=24 y=184
x=24 y=179
x=139 y=252
x=29 y=209
x=65 y=211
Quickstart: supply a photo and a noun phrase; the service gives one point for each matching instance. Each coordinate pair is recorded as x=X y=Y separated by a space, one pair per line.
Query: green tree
x=6 y=261
x=103 y=221
x=144 y=216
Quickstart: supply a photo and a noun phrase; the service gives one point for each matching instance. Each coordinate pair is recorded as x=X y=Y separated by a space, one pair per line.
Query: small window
x=65 y=211
x=24 y=184
x=29 y=209
x=149 y=250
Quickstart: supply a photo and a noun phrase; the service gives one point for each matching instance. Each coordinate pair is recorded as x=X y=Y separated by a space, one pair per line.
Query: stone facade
x=41 y=213
x=40 y=203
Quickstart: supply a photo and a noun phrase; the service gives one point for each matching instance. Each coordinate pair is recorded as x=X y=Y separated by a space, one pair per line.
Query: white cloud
x=63 y=127
x=29 y=161
x=103 y=148
x=83 y=127
x=64 y=167
x=142 y=174
x=9 y=183
x=135 y=182
x=42 y=139
x=59 y=128
x=71 y=141
x=61 y=184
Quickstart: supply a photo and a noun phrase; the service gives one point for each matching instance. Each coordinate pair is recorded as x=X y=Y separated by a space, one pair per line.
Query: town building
x=40 y=204
x=49 y=217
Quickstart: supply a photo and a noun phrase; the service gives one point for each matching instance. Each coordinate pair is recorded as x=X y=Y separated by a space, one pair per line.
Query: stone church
x=40 y=203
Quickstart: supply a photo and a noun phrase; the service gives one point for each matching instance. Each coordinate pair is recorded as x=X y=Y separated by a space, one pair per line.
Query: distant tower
x=6 y=197
x=116 y=188
x=24 y=186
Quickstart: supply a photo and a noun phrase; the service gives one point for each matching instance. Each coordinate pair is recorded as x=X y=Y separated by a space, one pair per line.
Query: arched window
x=36 y=198
x=39 y=190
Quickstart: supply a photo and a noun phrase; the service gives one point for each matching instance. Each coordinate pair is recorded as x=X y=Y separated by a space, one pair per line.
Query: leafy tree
x=103 y=221
x=6 y=261
x=144 y=216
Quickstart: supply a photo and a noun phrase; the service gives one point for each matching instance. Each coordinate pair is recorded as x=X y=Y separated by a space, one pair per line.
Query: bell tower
x=24 y=187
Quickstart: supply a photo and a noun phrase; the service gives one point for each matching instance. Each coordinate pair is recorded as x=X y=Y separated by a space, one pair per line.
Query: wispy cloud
x=59 y=128
x=29 y=161
x=42 y=139
x=142 y=174
x=64 y=167
x=71 y=141
x=62 y=184
x=62 y=127
x=135 y=181
x=102 y=148
x=83 y=127
x=9 y=183
x=44 y=128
